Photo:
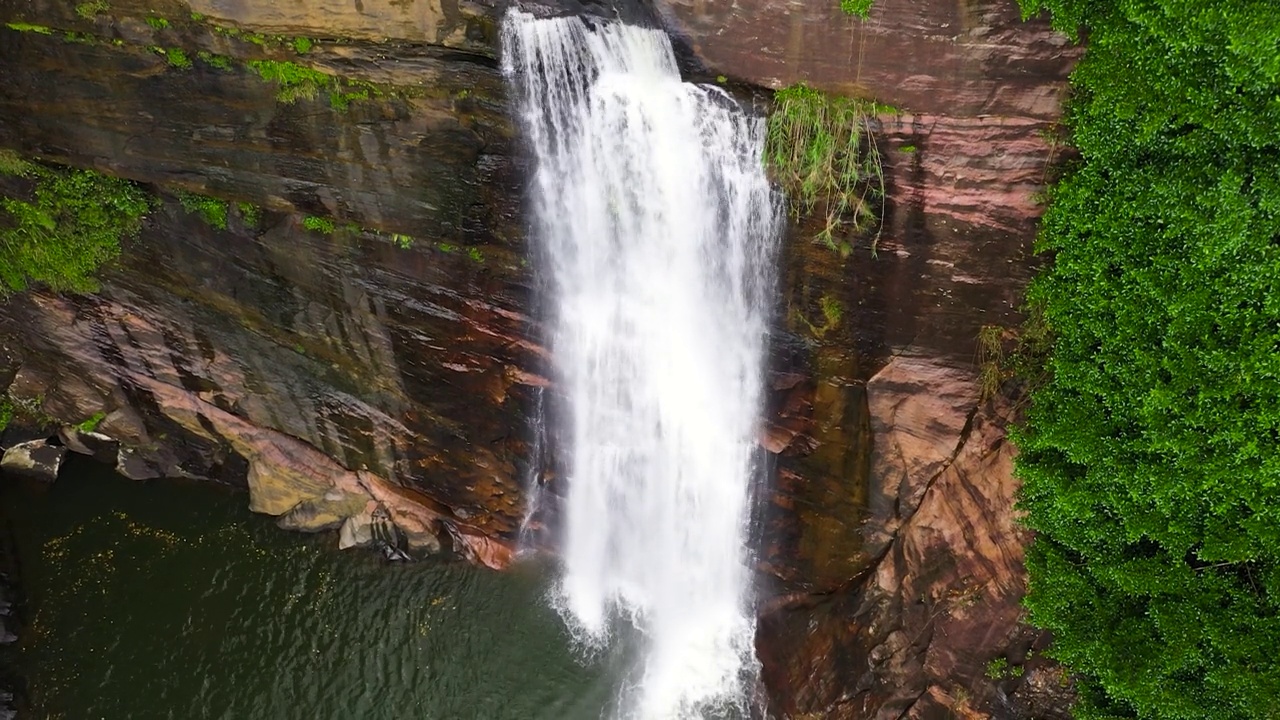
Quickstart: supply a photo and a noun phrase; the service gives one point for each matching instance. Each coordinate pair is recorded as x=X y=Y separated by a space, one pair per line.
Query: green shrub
x=214 y=61
x=177 y=58
x=70 y=223
x=211 y=210
x=157 y=23
x=302 y=45
x=12 y=164
x=295 y=81
x=1150 y=457
x=93 y=8
x=321 y=225
x=820 y=148
x=249 y=213
x=341 y=100
x=857 y=8
x=91 y=423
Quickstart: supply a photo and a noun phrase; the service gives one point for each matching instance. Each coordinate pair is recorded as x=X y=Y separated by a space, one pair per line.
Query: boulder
x=328 y=512
x=100 y=447
x=36 y=459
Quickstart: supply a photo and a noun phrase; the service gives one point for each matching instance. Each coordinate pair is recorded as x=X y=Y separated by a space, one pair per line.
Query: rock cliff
x=330 y=370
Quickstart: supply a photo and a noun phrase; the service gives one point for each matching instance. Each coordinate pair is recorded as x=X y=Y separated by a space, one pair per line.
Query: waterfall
x=657 y=226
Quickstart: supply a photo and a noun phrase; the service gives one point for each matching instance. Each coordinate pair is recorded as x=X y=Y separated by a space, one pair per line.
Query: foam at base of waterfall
x=658 y=227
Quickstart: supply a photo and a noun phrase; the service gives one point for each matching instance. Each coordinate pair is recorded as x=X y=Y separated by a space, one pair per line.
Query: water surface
x=170 y=600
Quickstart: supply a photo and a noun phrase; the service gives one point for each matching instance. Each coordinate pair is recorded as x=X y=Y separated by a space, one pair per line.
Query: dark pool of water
x=169 y=600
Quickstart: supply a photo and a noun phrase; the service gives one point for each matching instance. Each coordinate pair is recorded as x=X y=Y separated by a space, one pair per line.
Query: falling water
x=658 y=226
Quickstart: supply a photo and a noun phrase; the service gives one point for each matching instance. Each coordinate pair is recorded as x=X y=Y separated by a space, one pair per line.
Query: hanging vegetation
x=821 y=149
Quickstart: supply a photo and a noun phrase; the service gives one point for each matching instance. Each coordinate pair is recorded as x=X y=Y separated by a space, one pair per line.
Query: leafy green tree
x=1151 y=457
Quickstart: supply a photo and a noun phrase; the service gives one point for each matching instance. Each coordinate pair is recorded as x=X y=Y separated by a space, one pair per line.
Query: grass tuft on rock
x=821 y=150
x=857 y=8
x=324 y=226
x=93 y=8
x=295 y=81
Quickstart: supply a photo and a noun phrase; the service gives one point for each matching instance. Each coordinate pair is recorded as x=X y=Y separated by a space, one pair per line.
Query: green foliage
x=91 y=423
x=250 y=214
x=475 y=255
x=211 y=210
x=93 y=8
x=197 y=17
x=1151 y=453
x=69 y=223
x=177 y=58
x=294 y=80
x=1000 y=669
x=237 y=33
x=447 y=248
x=907 y=148
x=302 y=45
x=6 y=411
x=821 y=148
x=28 y=27
x=12 y=164
x=857 y=8
x=157 y=22
x=404 y=242
x=341 y=100
x=318 y=224
x=214 y=61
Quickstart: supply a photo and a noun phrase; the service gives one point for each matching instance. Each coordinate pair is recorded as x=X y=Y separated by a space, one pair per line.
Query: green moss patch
x=211 y=210
x=64 y=226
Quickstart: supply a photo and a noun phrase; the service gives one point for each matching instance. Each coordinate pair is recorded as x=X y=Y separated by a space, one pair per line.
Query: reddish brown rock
x=916 y=633
x=942 y=57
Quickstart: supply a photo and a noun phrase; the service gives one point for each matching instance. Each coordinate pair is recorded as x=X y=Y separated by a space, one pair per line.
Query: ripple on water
x=169 y=600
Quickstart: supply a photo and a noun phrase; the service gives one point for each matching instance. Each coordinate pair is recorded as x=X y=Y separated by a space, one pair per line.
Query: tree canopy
x=1151 y=456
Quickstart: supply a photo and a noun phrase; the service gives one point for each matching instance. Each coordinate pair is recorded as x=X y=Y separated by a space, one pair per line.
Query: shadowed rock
x=35 y=459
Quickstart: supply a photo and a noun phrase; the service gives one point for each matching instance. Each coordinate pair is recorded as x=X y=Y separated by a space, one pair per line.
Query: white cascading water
x=659 y=226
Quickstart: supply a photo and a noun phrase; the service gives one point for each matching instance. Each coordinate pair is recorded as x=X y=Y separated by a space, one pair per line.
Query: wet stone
x=36 y=459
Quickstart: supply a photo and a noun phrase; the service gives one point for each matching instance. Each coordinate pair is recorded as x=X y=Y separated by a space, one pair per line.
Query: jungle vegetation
x=1150 y=455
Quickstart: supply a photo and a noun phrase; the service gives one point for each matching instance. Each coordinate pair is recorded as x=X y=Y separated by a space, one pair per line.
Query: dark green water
x=169 y=600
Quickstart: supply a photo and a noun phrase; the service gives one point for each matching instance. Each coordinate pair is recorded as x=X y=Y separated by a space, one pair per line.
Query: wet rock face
x=892 y=567
x=35 y=459
x=289 y=366
x=339 y=375
x=943 y=57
